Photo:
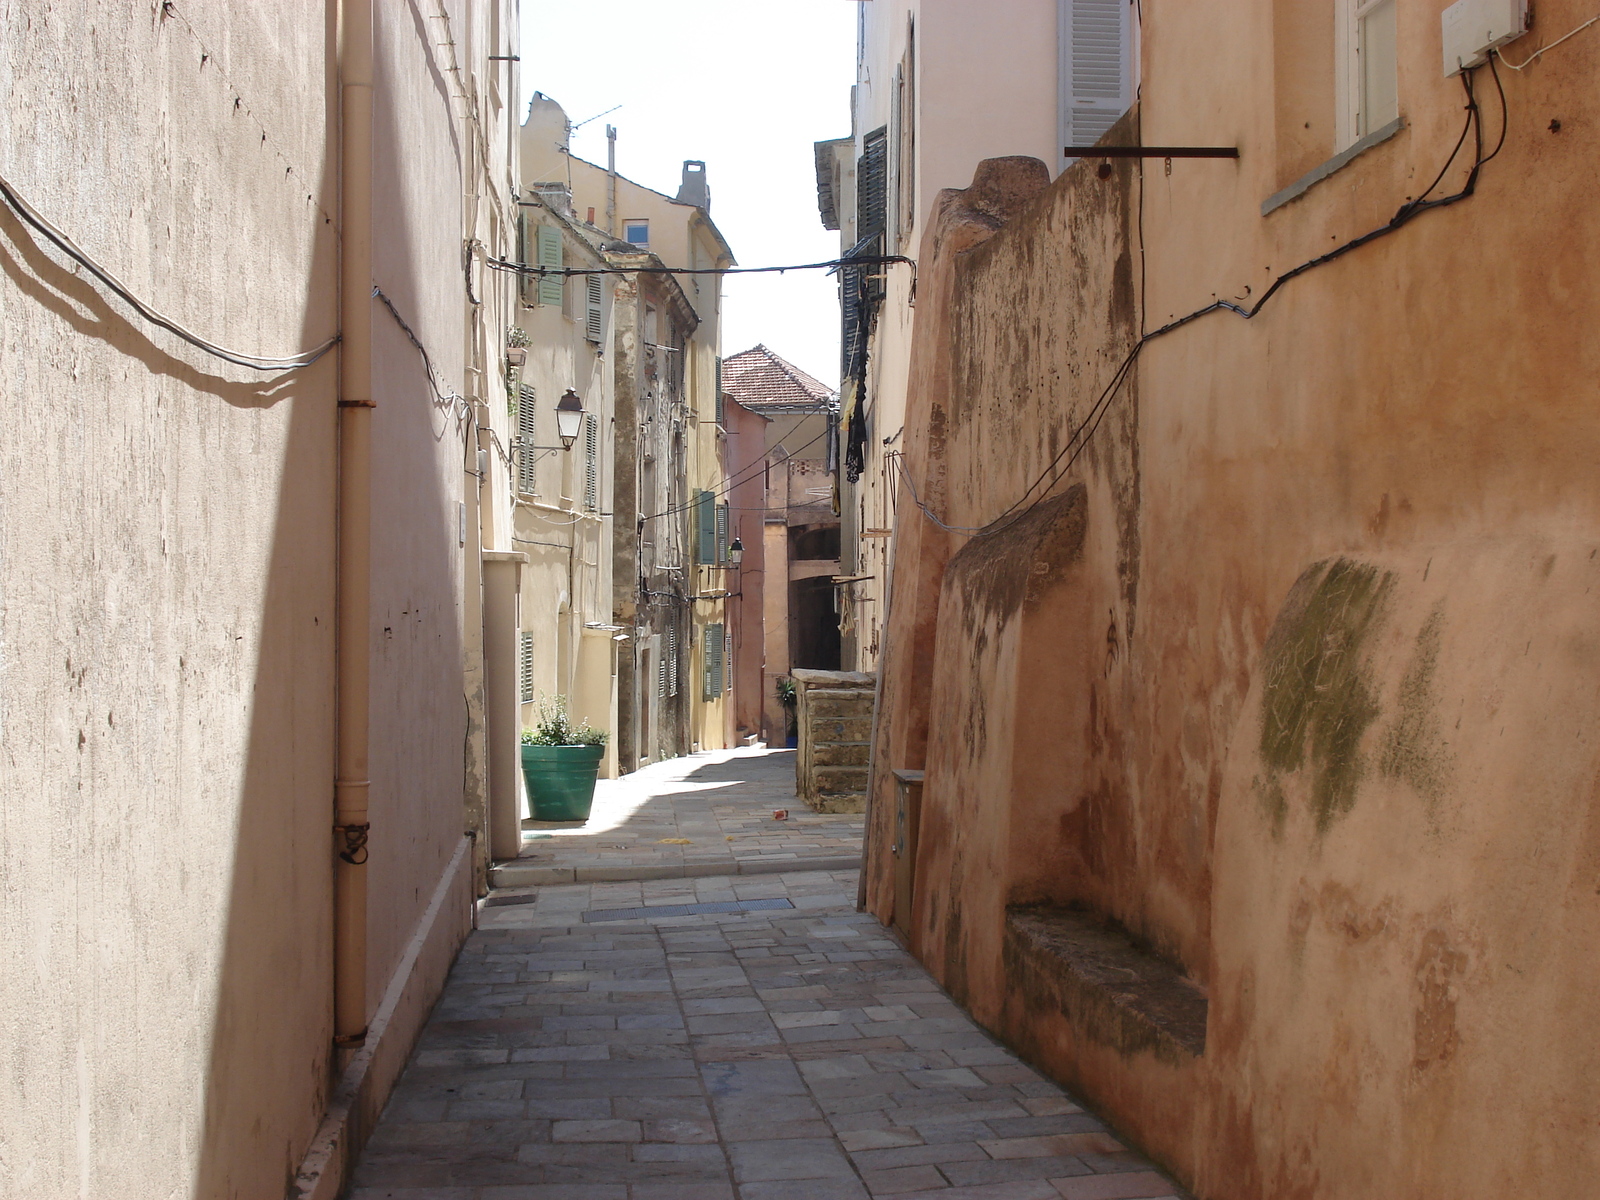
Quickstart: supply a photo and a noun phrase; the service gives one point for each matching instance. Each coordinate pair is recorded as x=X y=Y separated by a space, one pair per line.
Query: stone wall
x=834 y=712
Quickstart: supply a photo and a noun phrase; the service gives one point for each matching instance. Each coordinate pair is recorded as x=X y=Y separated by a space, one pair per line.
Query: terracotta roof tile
x=759 y=379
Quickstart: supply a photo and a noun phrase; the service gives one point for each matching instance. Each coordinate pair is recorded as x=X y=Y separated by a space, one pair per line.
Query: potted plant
x=560 y=762
x=789 y=699
x=517 y=343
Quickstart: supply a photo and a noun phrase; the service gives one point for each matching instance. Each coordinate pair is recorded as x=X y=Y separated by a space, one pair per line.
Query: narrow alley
x=655 y=1033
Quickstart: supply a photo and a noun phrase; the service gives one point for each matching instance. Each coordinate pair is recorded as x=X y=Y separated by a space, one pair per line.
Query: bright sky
x=747 y=86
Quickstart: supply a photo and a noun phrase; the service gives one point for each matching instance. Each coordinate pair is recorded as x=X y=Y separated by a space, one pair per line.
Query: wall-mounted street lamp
x=736 y=553
x=569 y=422
x=569 y=418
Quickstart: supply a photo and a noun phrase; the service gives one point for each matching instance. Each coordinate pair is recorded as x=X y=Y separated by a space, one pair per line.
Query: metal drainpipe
x=355 y=527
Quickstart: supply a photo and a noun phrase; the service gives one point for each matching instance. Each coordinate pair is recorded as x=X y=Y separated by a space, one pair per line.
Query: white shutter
x=1093 y=71
x=525 y=668
x=527 y=435
x=672 y=658
x=591 y=463
x=594 y=316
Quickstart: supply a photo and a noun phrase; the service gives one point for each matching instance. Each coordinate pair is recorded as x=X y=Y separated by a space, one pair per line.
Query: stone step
x=512 y=874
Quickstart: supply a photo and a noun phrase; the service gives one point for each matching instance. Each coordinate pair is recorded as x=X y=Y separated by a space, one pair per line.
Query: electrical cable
x=1085 y=430
x=1519 y=66
x=733 y=483
x=70 y=248
x=833 y=264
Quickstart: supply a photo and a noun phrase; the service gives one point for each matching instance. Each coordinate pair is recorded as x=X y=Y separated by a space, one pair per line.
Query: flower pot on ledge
x=561 y=780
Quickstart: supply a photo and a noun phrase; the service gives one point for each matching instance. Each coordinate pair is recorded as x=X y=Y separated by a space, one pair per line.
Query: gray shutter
x=525 y=668
x=722 y=400
x=872 y=184
x=527 y=289
x=594 y=316
x=661 y=677
x=672 y=657
x=527 y=435
x=722 y=535
x=551 y=287
x=591 y=463
x=1093 y=69
x=706 y=531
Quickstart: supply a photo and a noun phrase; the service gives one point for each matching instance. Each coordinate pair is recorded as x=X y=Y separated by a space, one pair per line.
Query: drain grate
x=684 y=910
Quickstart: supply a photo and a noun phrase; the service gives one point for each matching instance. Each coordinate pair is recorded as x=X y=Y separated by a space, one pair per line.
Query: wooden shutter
x=551 y=287
x=722 y=535
x=661 y=677
x=527 y=435
x=1093 y=67
x=713 y=662
x=594 y=316
x=591 y=463
x=706 y=528
x=872 y=184
x=722 y=401
x=525 y=667
x=672 y=658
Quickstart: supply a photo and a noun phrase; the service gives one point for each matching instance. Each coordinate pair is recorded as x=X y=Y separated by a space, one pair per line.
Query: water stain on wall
x=1320 y=696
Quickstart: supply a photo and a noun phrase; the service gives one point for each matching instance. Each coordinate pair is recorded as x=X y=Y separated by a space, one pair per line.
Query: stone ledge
x=1110 y=988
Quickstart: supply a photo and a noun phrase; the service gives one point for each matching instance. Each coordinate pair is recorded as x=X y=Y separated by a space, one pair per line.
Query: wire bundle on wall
x=1079 y=439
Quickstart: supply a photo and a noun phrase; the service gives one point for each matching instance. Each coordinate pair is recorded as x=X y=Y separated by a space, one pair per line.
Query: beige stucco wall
x=167 y=550
x=1366 y=516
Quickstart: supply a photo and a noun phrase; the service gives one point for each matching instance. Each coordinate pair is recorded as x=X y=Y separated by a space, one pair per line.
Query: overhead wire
x=67 y=246
x=1525 y=62
x=1081 y=435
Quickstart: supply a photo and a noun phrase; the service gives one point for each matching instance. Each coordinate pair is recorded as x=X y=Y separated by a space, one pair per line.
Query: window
x=713 y=663
x=527 y=435
x=1093 y=68
x=637 y=232
x=552 y=288
x=591 y=463
x=525 y=667
x=1370 y=98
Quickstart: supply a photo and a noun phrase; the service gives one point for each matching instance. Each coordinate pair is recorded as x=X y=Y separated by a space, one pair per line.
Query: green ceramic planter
x=561 y=780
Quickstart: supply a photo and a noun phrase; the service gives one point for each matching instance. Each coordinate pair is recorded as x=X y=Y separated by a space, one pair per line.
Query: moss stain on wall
x=1412 y=749
x=1320 y=698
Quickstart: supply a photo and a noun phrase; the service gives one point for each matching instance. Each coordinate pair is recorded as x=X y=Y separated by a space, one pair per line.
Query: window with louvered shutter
x=525 y=668
x=705 y=528
x=594 y=315
x=527 y=435
x=672 y=658
x=552 y=289
x=1093 y=68
x=722 y=401
x=591 y=463
x=713 y=663
x=722 y=535
x=661 y=677
x=872 y=184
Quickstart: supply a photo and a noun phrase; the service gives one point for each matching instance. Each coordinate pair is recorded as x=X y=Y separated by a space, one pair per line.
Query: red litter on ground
x=780 y=814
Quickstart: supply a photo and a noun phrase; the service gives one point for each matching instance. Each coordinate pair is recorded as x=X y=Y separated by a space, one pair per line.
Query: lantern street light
x=736 y=553
x=569 y=418
x=569 y=423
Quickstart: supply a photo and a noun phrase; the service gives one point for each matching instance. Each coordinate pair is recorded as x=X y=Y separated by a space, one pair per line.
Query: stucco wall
x=167 y=550
x=1301 y=703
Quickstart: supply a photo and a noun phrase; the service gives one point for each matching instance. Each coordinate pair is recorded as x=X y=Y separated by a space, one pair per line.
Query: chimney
x=694 y=190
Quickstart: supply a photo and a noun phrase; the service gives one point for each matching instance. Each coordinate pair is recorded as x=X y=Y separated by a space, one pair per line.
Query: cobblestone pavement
x=791 y=1050
x=703 y=814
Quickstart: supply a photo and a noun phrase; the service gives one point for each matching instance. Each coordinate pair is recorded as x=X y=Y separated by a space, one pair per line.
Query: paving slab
x=702 y=816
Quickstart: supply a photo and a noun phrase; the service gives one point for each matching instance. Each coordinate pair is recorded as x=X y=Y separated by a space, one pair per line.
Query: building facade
x=940 y=86
x=246 y=710
x=1241 y=609
x=667 y=542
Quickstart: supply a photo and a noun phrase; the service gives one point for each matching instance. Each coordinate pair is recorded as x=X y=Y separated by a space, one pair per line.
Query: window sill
x=1317 y=174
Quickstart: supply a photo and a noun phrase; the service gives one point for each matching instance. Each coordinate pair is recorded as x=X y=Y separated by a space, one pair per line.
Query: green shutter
x=714 y=654
x=706 y=539
x=722 y=535
x=551 y=287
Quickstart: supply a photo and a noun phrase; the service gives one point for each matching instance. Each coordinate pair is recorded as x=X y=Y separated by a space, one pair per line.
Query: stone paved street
x=703 y=814
x=781 y=1048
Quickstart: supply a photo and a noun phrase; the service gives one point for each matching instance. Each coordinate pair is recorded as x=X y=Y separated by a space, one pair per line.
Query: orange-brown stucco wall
x=1292 y=674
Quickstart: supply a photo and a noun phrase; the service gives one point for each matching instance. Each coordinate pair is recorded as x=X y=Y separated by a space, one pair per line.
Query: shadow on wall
x=273 y=1027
